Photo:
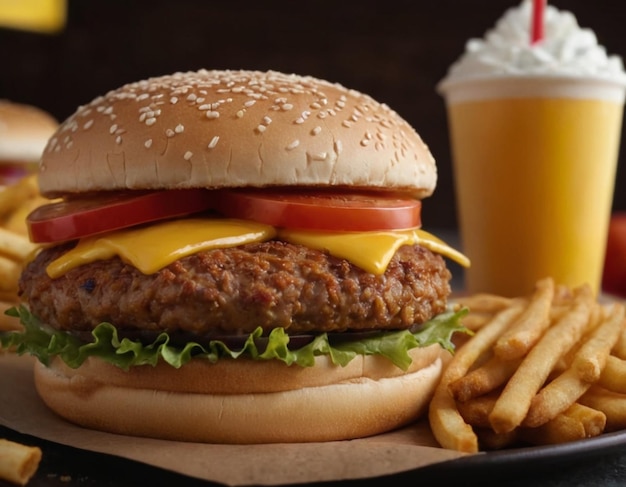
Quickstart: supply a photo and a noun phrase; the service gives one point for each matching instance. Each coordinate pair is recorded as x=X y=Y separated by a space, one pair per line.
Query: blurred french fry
x=16 y=220
x=590 y=359
x=486 y=378
x=476 y=411
x=476 y=320
x=613 y=376
x=485 y=302
x=15 y=246
x=446 y=422
x=18 y=462
x=612 y=404
x=528 y=328
x=14 y=195
x=593 y=421
x=9 y=273
x=515 y=400
x=619 y=350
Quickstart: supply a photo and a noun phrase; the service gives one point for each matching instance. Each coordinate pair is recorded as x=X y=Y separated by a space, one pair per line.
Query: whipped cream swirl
x=566 y=50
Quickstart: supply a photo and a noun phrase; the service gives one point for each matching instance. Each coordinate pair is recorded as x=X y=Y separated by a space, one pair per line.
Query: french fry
x=613 y=376
x=486 y=378
x=590 y=360
x=526 y=331
x=9 y=273
x=476 y=410
x=560 y=429
x=619 y=350
x=515 y=400
x=446 y=422
x=14 y=246
x=476 y=320
x=593 y=421
x=18 y=463
x=14 y=195
x=485 y=302
x=612 y=404
x=543 y=369
x=555 y=398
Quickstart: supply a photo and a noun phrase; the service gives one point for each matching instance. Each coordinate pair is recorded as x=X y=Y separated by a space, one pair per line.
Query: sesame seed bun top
x=24 y=132
x=235 y=128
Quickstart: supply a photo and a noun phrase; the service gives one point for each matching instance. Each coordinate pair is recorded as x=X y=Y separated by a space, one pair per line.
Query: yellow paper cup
x=534 y=161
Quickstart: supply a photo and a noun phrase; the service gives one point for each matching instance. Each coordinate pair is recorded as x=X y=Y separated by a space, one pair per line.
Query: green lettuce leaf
x=46 y=343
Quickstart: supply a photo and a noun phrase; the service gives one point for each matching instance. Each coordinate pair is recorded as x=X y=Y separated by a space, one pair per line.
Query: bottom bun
x=351 y=408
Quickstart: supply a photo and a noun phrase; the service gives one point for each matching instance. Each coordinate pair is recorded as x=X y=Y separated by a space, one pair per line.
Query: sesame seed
x=261 y=128
x=316 y=130
x=240 y=113
x=88 y=124
x=150 y=121
x=169 y=133
x=206 y=106
x=286 y=106
x=191 y=97
x=143 y=96
x=293 y=145
x=249 y=103
x=267 y=120
x=212 y=114
x=174 y=100
x=113 y=128
x=148 y=143
x=188 y=155
x=118 y=139
x=180 y=128
x=213 y=142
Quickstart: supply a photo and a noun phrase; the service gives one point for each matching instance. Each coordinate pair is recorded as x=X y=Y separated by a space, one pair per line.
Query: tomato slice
x=320 y=210
x=76 y=218
x=307 y=209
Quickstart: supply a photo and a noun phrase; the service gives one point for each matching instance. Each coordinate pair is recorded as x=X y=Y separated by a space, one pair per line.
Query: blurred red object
x=614 y=276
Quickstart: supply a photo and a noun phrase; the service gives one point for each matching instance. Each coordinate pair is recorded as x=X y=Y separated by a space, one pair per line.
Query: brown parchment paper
x=412 y=447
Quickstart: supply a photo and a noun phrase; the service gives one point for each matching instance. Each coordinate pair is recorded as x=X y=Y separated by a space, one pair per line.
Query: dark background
x=394 y=50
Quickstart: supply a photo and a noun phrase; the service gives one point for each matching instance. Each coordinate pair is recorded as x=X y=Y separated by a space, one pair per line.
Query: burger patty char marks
x=235 y=290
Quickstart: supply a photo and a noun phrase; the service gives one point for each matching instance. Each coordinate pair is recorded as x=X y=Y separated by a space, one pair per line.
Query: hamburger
x=24 y=132
x=236 y=257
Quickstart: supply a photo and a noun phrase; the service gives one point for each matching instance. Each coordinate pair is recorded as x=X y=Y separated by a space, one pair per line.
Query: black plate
x=596 y=461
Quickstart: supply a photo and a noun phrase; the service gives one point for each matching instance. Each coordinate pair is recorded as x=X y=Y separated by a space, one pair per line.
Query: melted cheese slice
x=153 y=247
x=371 y=251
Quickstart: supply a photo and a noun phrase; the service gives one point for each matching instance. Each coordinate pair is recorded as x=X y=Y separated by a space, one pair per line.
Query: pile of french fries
x=16 y=201
x=542 y=369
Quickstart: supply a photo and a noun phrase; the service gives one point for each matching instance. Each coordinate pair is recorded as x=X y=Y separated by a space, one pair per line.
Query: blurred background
x=394 y=50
